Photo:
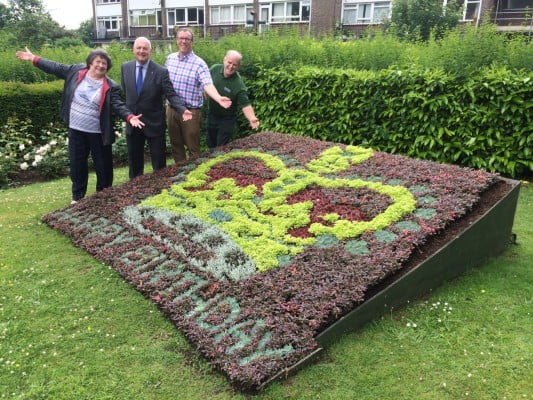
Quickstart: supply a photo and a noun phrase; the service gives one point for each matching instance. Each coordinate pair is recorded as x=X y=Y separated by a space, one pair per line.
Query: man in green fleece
x=228 y=82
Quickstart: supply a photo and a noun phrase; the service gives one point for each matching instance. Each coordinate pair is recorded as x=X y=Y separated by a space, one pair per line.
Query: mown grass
x=70 y=328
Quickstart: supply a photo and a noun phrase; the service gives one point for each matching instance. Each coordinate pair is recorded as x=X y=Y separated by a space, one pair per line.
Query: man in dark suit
x=145 y=85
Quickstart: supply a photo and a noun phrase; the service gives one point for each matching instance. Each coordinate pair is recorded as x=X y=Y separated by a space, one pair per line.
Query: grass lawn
x=70 y=328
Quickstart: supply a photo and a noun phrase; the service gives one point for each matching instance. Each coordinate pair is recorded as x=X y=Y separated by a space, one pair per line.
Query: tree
x=18 y=9
x=35 y=30
x=85 y=31
x=418 y=19
x=30 y=24
x=4 y=15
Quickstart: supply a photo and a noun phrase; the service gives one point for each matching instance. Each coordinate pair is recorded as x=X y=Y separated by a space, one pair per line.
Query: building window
x=143 y=18
x=108 y=1
x=306 y=10
x=365 y=12
x=381 y=12
x=290 y=11
x=110 y=24
x=233 y=14
x=516 y=4
x=471 y=9
x=185 y=16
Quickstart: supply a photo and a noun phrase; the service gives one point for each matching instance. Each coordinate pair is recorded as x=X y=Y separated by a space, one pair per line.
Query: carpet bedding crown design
x=256 y=247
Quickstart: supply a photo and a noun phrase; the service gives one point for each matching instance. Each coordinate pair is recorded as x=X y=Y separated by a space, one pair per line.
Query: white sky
x=69 y=13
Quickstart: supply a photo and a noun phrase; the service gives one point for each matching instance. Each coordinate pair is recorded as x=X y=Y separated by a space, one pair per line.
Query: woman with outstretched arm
x=88 y=100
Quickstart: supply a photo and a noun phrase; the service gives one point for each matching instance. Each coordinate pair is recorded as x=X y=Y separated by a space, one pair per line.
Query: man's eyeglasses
x=185 y=39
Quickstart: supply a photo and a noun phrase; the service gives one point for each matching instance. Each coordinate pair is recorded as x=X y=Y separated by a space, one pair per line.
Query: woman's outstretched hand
x=26 y=55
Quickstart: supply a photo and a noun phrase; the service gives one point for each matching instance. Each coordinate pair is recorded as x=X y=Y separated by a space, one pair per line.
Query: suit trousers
x=184 y=134
x=80 y=145
x=136 y=144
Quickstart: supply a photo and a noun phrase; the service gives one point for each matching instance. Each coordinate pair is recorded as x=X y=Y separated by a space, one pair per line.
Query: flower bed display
x=257 y=247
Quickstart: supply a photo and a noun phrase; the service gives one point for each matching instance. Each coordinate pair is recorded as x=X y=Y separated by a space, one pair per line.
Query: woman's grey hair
x=99 y=53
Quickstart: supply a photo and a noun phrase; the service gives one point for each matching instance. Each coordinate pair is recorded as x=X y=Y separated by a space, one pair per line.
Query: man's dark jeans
x=219 y=129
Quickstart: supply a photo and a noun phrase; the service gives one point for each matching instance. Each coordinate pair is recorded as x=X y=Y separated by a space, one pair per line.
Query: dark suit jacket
x=156 y=87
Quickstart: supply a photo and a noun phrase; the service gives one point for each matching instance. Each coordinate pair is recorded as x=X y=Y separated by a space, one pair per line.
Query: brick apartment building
x=158 y=19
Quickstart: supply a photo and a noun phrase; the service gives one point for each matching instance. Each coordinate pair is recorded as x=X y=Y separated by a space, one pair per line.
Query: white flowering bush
x=120 y=147
x=14 y=143
x=49 y=157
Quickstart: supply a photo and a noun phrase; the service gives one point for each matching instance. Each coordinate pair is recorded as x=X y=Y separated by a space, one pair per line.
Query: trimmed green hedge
x=39 y=102
x=485 y=121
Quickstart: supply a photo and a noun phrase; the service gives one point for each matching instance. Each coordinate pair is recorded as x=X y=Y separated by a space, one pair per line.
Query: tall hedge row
x=39 y=102
x=484 y=121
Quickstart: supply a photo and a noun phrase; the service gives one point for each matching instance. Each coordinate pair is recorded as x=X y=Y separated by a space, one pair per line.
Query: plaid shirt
x=189 y=75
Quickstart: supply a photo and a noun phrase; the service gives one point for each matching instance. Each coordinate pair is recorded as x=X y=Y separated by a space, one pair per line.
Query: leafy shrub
x=6 y=39
x=50 y=160
x=519 y=52
x=465 y=50
x=416 y=19
x=14 y=143
x=39 y=103
x=483 y=122
x=48 y=156
x=461 y=51
x=69 y=41
x=120 y=147
x=14 y=70
x=439 y=89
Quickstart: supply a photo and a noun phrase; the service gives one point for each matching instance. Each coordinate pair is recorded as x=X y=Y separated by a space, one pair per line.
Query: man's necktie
x=139 y=80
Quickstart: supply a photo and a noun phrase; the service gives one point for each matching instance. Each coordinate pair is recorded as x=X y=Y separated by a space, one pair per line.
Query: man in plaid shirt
x=190 y=77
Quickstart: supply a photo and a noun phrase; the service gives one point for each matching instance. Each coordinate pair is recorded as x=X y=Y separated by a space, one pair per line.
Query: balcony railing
x=518 y=19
